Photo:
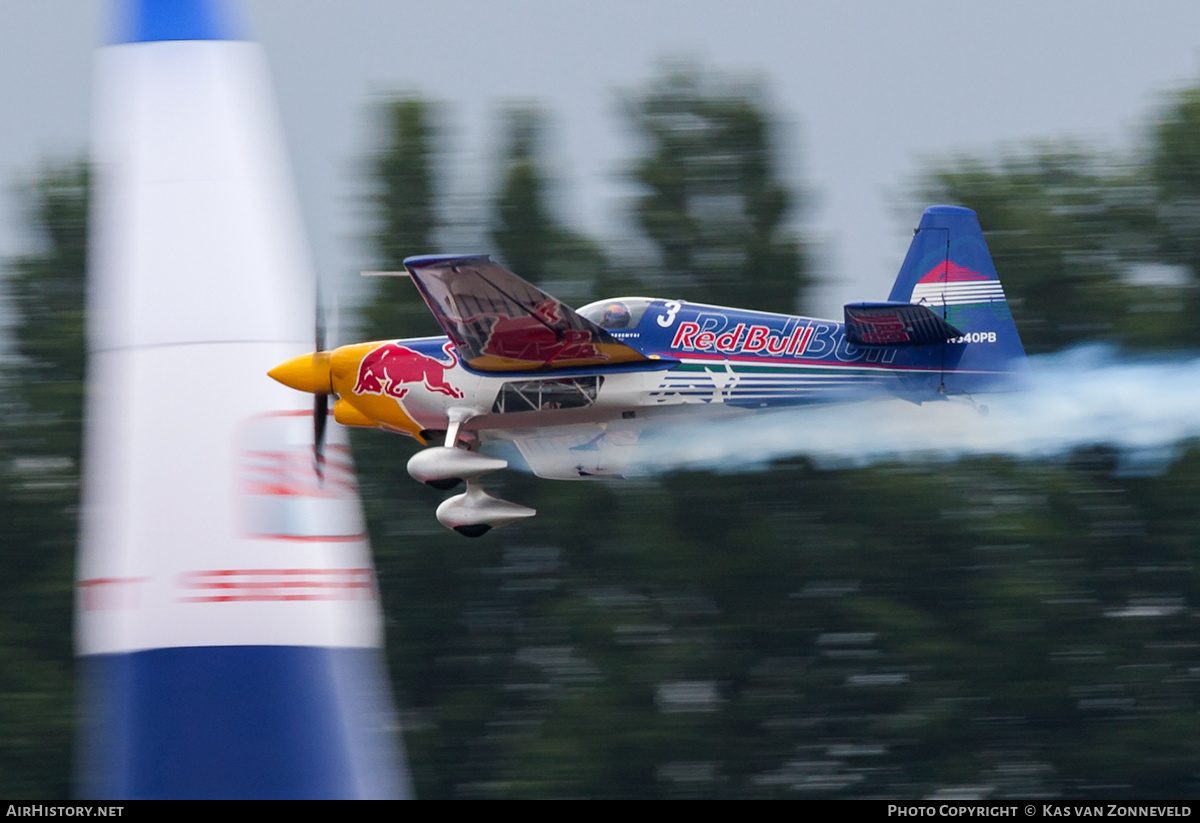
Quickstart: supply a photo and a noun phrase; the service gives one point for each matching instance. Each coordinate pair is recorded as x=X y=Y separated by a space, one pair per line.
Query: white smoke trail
x=1144 y=406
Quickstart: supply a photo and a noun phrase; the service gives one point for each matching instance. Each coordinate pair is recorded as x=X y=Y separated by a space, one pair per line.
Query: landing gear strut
x=474 y=512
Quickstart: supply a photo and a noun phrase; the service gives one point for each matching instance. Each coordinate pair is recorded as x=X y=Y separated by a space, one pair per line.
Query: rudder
x=949 y=269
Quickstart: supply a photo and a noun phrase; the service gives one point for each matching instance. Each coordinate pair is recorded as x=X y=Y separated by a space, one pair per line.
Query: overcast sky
x=868 y=91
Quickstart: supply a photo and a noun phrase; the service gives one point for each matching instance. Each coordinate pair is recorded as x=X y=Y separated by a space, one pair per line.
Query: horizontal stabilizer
x=896 y=324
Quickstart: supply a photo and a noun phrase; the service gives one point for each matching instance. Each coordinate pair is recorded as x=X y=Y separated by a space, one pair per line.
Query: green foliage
x=712 y=200
x=405 y=180
x=1175 y=147
x=1073 y=234
x=39 y=487
x=1064 y=228
x=1017 y=626
x=1175 y=169
x=46 y=293
x=800 y=632
x=1025 y=627
x=523 y=230
x=528 y=238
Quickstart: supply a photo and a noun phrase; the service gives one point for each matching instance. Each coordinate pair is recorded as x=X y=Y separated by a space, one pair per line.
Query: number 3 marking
x=673 y=307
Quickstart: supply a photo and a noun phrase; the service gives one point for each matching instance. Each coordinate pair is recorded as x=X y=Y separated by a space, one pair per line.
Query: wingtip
x=425 y=260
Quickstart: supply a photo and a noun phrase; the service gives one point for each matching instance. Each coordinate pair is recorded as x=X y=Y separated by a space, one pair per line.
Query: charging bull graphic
x=391 y=368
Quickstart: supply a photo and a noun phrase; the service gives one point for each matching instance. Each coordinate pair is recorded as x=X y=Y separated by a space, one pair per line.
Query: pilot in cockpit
x=616 y=316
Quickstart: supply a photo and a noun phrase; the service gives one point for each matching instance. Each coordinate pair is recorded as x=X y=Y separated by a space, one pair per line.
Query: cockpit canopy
x=618 y=313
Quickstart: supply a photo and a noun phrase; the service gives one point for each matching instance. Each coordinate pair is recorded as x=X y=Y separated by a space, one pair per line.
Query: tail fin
x=949 y=270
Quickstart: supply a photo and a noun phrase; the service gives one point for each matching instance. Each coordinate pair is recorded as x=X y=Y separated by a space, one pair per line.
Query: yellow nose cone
x=308 y=372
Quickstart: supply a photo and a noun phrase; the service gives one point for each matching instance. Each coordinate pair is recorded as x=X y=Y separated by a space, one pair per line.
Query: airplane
x=574 y=390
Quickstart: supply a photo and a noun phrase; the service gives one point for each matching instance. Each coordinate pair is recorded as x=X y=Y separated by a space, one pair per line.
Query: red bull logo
x=743 y=339
x=392 y=369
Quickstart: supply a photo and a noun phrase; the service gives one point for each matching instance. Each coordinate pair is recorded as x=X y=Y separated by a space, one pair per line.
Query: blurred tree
x=1018 y=628
x=903 y=629
x=1175 y=169
x=406 y=201
x=1064 y=227
x=528 y=237
x=39 y=486
x=46 y=293
x=1175 y=166
x=712 y=200
x=415 y=586
x=523 y=229
x=1090 y=247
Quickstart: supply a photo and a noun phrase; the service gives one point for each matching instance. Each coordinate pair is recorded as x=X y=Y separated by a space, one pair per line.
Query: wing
x=580 y=452
x=500 y=323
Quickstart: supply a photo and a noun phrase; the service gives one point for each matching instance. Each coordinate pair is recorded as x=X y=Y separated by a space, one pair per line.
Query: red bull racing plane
x=574 y=390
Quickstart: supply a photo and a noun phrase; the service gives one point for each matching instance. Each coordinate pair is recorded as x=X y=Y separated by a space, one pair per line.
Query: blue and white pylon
x=228 y=619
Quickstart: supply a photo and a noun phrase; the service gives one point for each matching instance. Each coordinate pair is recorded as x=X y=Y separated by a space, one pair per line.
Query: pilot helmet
x=616 y=316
